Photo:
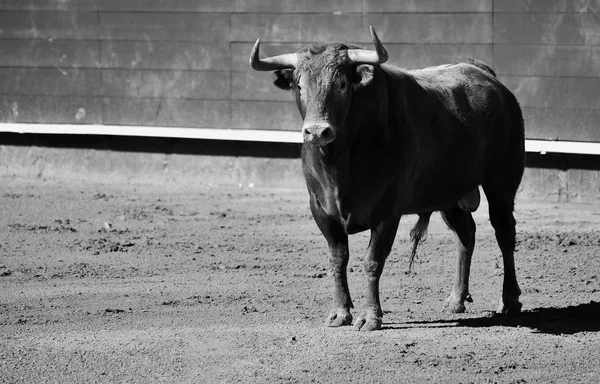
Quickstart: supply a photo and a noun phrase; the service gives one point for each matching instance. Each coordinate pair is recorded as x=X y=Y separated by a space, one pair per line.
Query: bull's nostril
x=318 y=133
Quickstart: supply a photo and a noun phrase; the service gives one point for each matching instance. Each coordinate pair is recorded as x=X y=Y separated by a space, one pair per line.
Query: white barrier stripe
x=152 y=131
x=540 y=146
x=574 y=147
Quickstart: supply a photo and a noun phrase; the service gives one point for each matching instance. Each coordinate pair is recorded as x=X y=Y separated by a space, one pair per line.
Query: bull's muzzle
x=318 y=134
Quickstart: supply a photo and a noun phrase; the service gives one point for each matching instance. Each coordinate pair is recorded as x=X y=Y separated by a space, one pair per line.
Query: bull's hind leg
x=462 y=224
x=382 y=239
x=501 y=205
x=338 y=262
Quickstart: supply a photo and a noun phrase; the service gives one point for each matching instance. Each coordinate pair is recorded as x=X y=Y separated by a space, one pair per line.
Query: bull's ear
x=285 y=79
x=363 y=75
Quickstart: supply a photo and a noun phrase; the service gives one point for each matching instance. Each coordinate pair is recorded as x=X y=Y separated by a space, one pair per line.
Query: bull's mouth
x=325 y=149
x=317 y=141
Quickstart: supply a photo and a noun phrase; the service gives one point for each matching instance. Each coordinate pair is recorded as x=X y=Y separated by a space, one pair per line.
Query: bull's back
x=465 y=91
x=467 y=102
x=466 y=121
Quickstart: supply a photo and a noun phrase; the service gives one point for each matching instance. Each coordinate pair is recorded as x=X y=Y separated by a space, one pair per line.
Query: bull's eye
x=343 y=85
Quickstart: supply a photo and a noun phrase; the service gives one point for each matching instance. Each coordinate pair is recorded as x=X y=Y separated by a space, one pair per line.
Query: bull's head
x=323 y=78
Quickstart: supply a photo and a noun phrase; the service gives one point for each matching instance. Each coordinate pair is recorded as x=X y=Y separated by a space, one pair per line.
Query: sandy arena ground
x=163 y=283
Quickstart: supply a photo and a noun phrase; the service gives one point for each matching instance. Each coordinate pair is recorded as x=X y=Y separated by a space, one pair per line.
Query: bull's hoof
x=453 y=305
x=338 y=317
x=367 y=323
x=509 y=307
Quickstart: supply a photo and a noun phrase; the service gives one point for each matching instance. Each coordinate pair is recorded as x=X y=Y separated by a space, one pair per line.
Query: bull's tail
x=481 y=65
x=417 y=235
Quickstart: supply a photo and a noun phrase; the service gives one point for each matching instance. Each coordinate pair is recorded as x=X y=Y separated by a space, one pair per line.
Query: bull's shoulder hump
x=445 y=69
x=433 y=69
x=457 y=73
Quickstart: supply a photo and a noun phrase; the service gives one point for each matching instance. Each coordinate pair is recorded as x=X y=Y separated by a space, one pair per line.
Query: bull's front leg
x=382 y=239
x=340 y=310
x=337 y=239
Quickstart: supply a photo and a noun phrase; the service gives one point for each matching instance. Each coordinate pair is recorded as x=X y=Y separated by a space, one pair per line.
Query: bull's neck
x=327 y=165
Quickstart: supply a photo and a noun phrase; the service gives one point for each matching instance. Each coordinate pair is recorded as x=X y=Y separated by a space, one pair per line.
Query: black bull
x=380 y=142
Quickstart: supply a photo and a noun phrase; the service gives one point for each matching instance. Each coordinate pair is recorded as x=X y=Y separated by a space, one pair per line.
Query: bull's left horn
x=365 y=56
x=288 y=60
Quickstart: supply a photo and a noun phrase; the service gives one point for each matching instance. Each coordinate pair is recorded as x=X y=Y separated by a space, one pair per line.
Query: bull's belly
x=370 y=200
x=429 y=206
x=353 y=226
x=355 y=217
x=439 y=196
x=358 y=219
x=365 y=212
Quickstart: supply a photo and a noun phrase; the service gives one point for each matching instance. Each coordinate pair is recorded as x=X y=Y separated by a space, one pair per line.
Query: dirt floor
x=163 y=283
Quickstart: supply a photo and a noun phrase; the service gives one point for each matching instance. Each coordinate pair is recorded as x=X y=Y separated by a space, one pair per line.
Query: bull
x=381 y=142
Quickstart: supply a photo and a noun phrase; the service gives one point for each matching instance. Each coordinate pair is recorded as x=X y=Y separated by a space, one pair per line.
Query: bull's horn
x=365 y=56
x=288 y=60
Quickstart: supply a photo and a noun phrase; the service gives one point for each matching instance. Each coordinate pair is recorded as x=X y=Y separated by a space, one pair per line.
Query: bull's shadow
x=556 y=321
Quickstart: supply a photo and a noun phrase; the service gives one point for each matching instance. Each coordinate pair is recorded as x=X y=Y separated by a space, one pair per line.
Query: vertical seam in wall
x=229 y=46
x=493 y=36
x=362 y=12
x=100 y=66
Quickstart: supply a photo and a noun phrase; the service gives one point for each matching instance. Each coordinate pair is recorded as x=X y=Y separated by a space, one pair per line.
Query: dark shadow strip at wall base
x=562 y=161
x=155 y=145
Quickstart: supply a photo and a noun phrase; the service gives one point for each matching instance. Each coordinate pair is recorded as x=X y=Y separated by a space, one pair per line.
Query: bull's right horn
x=288 y=60
x=365 y=56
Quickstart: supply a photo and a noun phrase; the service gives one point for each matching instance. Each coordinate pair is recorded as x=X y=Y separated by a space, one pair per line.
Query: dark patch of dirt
x=103 y=245
x=86 y=270
x=151 y=283
x=41 y=228
x=557 y=240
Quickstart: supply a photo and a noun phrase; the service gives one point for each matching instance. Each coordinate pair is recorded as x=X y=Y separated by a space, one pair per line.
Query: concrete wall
x=184 y=63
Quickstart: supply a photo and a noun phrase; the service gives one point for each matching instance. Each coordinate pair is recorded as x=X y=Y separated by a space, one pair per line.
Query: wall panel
x=119 y=5
x=165 y=55
x=417 y=6
x=549 y=6
x=547 y=28
x=50 y=109
x=295 y=6
x=422 y=28
x=298 y=27
x=169 y=84
x=50 y=82
x=548 y=60
x=166 y=112
x=562 y=124
x=270 y=115
x=555 y=92
x=33 y=25
x=163 y=26
x=49 y=53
